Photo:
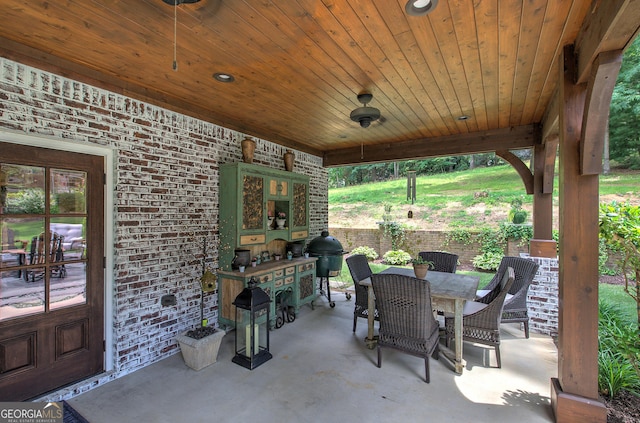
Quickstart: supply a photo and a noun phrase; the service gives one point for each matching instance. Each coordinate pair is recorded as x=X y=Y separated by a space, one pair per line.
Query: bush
x=618 y=353
x=487 y=261
x=369 y=252
x=396 y=257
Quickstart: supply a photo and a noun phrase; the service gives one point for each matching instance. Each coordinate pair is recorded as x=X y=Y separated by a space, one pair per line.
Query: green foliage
x=396 y=231
x=487 y=261
x=521 y=233
x=624 y=113
x=517 y=214
x=620 y=227
x=618 y=353
x=29 y=201
x=396 y=257
x=369 y=252
x=420 y=260
x=461 y=236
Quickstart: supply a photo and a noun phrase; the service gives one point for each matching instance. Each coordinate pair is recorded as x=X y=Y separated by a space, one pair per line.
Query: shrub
x=618 y=353
x=487 y=261
x=369 y=252
x=396 y=257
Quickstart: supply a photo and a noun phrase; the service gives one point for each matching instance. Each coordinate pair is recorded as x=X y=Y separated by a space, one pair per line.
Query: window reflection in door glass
x=16 y=237
x=67 y=191
x=19 y=295
x=21 y=189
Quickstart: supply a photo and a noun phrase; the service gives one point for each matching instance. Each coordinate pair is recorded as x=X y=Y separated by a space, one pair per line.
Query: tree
x=620 y=227
x=624 y=114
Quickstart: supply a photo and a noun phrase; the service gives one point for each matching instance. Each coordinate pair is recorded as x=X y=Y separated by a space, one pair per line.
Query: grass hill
x=468 y=199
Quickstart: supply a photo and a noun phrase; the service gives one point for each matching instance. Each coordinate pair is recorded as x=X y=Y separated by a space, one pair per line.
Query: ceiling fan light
x=420 y=7
x=365 y=115
x=177 y=2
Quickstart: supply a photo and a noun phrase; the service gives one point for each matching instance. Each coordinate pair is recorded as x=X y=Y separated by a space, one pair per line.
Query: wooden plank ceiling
x=299 y=65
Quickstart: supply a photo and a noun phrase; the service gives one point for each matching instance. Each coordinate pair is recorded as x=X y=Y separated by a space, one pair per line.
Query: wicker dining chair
x=359 y=269
x=515 y=305
x=442 y=262
x=407 y=323
x=481 y=322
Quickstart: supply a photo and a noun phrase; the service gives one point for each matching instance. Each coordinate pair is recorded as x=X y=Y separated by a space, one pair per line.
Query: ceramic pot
x=248 y=148
x=280 y=223
x=289 y=158
x=420 y=270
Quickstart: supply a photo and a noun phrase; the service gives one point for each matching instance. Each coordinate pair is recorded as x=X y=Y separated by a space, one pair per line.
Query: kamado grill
x=329 y=252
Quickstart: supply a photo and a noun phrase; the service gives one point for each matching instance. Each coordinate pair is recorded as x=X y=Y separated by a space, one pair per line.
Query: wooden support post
x=542 y=244
x=575 y=395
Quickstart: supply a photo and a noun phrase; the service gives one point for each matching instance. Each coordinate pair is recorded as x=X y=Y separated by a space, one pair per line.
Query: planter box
x=200 y=353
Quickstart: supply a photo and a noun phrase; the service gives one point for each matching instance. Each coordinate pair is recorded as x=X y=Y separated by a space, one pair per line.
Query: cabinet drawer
x=299 y=234
x=289 y=280
x=253 y=239
x=264 y=277
x=278 y=283
x=278 y=273
x=290 y=270
x=305 y=267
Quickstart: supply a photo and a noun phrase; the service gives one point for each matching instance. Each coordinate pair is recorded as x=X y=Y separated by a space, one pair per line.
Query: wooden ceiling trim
x=514 y=138
x=610 y=26
x=432 y=52
x=604 y=72
x=550 y=118
x=488 y=49
x=549 y=46
x=414 y=69
x=378 y=23
x=466 y=34
x=509 y=18
x=375 y=79
x=533 y=18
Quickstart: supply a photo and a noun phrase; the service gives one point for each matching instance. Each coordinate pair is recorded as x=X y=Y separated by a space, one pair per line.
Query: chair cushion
x=481 y=293
x=471 y=307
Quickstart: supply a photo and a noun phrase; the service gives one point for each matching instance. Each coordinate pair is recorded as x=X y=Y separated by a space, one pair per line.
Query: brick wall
x=542 y=300
x=166 y=188
x=416 y=241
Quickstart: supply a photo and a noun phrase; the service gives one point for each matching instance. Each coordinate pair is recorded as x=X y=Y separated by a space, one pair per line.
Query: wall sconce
x=252 y=326
x=420 y=7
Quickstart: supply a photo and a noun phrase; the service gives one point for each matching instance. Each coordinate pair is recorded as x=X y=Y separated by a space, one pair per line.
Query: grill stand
x=332 y=304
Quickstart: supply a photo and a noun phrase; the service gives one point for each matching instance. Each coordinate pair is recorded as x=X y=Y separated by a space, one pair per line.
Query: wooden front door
x=51 y=269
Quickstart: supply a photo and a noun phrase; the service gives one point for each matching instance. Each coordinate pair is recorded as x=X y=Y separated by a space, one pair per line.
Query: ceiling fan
x=365 y=115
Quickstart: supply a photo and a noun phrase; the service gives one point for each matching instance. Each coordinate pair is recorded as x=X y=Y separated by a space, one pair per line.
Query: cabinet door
x=278 y=188
x=300 y=211
x=253 y=218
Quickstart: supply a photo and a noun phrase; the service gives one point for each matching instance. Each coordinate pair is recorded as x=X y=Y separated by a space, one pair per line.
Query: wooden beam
x=550 y=153
x=542 y=202
x=513 y=138
x=611 y=25
x=520 y=167
x=550 y=118
x=596 y=114
x=578 y=260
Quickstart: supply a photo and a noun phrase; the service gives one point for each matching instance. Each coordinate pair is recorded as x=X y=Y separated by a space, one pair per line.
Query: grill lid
x=325 y=245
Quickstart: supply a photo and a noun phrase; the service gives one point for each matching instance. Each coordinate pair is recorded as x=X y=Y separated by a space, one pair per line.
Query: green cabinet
x=293 y=278
x=251 y=199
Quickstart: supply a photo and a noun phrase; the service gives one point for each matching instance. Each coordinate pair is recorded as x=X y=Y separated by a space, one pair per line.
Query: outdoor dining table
x=449 y=291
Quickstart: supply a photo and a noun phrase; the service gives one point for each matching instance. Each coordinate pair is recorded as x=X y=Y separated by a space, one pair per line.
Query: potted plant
x=517 y=214
x=281 y=219
x=200 y=346
x=420 y=267
x=270 y=217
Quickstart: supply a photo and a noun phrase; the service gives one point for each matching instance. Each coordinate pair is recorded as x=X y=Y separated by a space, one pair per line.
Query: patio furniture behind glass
x=407 y=323
x=38 y=254
x=442 y=262
x=515 y=305
x=359 y=269
x=481 y=322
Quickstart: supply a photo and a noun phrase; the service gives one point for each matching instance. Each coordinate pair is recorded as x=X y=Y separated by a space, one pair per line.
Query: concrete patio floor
x=321 y=371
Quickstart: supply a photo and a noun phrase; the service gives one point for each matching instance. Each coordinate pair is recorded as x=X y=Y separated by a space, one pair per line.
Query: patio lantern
x=252 y=326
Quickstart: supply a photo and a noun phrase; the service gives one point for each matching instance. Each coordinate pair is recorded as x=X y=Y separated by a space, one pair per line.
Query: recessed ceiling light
x=420 y=7
x=463 y=117
x=223 y=77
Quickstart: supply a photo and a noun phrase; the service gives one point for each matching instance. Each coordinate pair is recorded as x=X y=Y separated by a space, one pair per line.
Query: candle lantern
x=252 y=326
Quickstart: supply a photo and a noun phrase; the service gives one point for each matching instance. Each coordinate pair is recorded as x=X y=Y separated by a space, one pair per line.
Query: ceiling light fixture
x=420 y=7
x=463 y=117
x=365 y=115
x=223 y=77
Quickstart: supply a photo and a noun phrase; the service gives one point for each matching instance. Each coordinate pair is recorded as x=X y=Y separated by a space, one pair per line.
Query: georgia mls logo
x=31 y=412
